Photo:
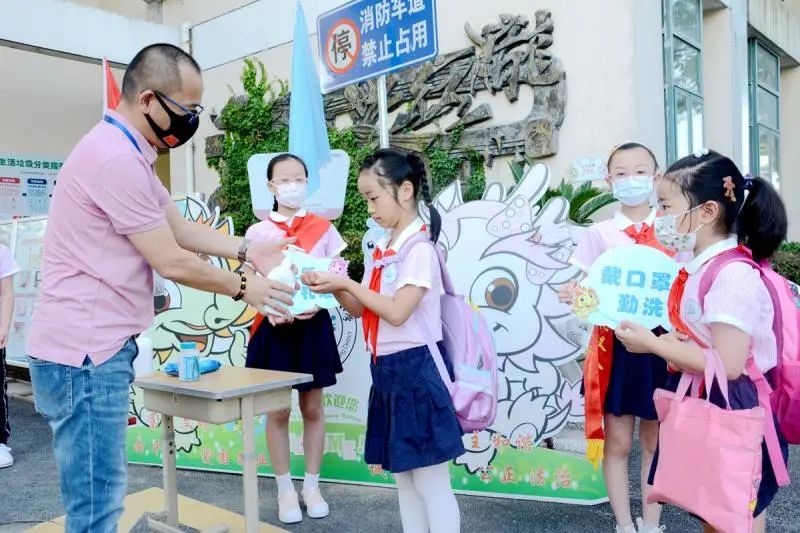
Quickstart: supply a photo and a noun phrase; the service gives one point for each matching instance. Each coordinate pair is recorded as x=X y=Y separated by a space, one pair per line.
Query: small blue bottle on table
x=189 y=369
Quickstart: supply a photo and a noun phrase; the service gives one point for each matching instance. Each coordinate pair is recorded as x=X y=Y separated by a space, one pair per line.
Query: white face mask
x=666 y=230
x=291 y=195
x=633 y=191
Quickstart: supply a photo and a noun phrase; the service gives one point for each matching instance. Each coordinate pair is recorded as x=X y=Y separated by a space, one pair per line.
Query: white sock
x=413 y=514
x=311 y=482
x=433 y=485
x=284 y=483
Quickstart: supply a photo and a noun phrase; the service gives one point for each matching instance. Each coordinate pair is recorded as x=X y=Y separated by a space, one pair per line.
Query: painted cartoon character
x=508 y=256
x=586 y=302
x=216 y=323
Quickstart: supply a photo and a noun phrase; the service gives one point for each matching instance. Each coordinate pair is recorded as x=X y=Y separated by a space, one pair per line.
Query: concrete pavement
x=29 y=493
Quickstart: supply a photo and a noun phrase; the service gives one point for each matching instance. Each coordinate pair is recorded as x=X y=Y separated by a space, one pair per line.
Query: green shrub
x=787 y=261
x=352 y=223
x=248 y=130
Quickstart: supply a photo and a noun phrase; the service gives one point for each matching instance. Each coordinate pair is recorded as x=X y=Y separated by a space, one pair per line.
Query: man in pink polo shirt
x=111 y=224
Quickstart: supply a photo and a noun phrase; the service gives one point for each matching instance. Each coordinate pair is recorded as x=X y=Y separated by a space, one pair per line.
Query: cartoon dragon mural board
x=509 y=256
x=511 y=263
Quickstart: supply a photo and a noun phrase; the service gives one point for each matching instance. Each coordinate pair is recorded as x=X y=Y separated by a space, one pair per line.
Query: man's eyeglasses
x=195 y=113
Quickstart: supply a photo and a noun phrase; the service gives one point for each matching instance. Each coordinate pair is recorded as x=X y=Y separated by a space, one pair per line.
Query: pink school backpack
x=783 y=398
x=470 y=346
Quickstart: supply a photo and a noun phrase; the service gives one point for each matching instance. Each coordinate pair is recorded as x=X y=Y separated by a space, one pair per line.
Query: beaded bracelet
x=242 y=287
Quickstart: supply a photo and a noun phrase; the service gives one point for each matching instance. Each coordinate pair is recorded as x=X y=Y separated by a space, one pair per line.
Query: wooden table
x=224 y=396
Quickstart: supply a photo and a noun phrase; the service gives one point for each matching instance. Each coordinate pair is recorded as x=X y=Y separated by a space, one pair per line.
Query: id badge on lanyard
x=159 y=286
x=121 y=127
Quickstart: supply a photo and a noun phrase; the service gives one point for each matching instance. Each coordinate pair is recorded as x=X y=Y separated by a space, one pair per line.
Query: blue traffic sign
x=366 y=38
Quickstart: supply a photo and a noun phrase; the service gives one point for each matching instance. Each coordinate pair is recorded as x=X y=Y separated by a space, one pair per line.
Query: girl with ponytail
x=412 y=430
x=709 y=208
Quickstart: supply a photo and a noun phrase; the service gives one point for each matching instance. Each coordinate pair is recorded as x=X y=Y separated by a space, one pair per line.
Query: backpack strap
x=742 y=255
x=402 y=253
x=422 y=237
x=433 y=347
x=736 y=255
x=447 y=285
x=447 y=281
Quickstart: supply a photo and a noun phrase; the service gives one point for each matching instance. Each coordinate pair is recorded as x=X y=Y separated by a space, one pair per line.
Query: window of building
x=683 y=73
x=765 y=130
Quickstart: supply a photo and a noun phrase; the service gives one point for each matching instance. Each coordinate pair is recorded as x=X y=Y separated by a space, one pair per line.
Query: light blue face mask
x=633 y=190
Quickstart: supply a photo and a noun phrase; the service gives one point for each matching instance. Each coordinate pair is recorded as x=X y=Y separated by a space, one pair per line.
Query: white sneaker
x=289 y=508
x=316 y=506
x=627 y=529
x=641 y=528
x=5 y=456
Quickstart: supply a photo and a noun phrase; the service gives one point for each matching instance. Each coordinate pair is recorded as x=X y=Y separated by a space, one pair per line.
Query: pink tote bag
x=709 y=459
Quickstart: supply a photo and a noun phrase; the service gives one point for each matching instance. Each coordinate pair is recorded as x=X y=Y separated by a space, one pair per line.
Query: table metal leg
x=250 y=466
x=169 y=469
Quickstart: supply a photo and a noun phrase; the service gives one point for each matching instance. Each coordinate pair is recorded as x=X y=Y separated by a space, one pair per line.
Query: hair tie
x=700 y=153
x=748 y=181
x=730 y=187
x=629 y=141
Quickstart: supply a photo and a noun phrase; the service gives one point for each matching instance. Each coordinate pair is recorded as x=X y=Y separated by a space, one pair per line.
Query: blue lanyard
x=114 y=122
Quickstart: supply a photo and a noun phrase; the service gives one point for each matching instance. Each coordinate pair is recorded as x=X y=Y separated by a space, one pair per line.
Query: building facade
x=678 y=75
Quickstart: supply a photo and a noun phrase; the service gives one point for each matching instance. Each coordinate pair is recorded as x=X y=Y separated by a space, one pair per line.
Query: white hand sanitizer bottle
x=143 y=364
x=283 y=274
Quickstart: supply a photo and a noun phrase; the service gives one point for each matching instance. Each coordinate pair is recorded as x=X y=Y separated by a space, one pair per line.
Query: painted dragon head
x=216 y=323
x=509 y=256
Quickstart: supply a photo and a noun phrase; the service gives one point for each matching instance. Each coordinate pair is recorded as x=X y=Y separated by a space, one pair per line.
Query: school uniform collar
x=622 y=222
x=412 y=229
x=277 y=217
x=693 y=266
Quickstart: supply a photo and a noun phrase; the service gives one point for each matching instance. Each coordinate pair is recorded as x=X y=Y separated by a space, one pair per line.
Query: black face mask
x=181 y=127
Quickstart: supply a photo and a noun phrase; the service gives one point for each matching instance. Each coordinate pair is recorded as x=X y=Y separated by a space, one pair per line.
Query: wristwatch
x=242 y=254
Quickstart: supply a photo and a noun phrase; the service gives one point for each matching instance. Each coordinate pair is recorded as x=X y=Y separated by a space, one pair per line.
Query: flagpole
x=188 y=154
x=383 y=112
x=103 y=66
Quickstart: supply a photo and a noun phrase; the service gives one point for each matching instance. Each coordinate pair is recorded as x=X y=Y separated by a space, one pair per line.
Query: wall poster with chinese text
x=26 y=240
x=26 y=185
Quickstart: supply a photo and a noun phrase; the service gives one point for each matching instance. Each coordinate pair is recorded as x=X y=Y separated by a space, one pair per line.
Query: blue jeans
x=87 y=409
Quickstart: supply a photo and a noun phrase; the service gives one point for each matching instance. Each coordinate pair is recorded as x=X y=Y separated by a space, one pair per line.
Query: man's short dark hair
x=155 y=67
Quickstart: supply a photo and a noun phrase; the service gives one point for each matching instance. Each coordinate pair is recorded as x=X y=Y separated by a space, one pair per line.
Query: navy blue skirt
x=634 y=378
x=742 y=394
x=411 y=421
x=305 y=346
